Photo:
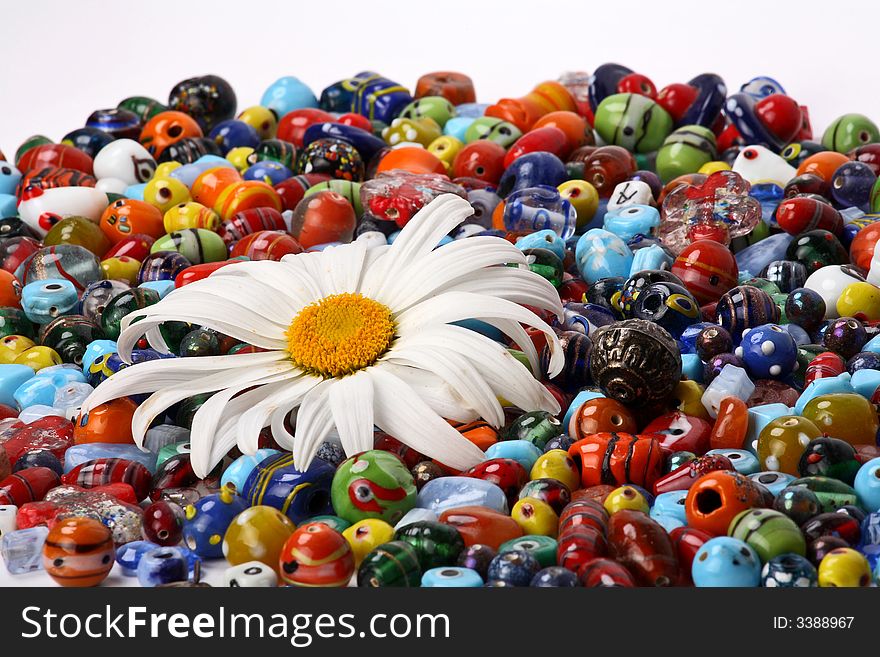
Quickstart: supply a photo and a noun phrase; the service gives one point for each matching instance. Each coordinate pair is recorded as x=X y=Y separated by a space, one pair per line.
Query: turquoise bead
x=287 y=94
x=602 y=254
x=627 y=221
x=444 y=493
x=135 y=192
x=650 y=257
x=865 y=382
x=760 y=417
x=238 y=471
x=670 y=504
x=457 y=126
x=44 y=300
x=522 y=451
x=41 y=389
x=773 y=481
x=872 y=345
x=543 y=239
x=94 y=350
x=692 y=367
x=79 y=454
x=827 y=386
x=11 y=377
x=162 y=288
x=668 y=522
x=867 y=485
x=743 y=460
x=451 y=577
x=579 y=400
x=188 y=173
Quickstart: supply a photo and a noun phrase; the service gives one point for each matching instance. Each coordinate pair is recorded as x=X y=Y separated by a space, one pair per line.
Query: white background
x=62 y=59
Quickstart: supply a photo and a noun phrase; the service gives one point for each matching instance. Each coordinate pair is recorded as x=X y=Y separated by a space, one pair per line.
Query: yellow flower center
x=339 y=335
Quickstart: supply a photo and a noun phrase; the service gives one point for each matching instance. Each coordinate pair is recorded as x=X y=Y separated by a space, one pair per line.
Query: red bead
x=482 y=159
x=707 y=269
x=687 y=542
x=604 y=573
x=293 y=125
x=356 y=120
x=678 y=432
x=685 y=475
x=676 y=99
x=590 y=513
x=608 y=166
x=316 y=555
x=636 y=83
x=135 y=246
x=643 y=546
x=861 y=250
x=617 y=459
x=292 y=190
x=323 y=218
x=266 y=245
x=549 y=139
x=28 y=485
x=250 y=221
x=98 y=472
x=199 y=272
x=825 y=365
x=579 y=545
x=781 y=115
x=572 y=291
x=478 y=524
x=800 y=214
x=507 y=474
x=163 y=523
x=54 y=155
x=51 y=433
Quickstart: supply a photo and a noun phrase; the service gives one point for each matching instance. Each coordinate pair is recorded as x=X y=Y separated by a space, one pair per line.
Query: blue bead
x=365 y=143
x=772 y=481
x=267 y=171
x=871 y=529
x=135 y=192
x=40 y=458
x=789 y=571
x=531 y=170
x=471 y=110
x=299 y=495
x=752 y=259
x=129 y=555
x=44 y=300
x=444 y=493
x=522 y=451
x=543 y=239
x=8 y=205
x=628 y=221
x=41 y=389
x=94 y=350
x=451 y=577
x=668 y=522
x=11 y=377
x=9 y=177
x=554 y=577
x=728 y=562
x=872 y=345
x=743 y=460
x=206 y=521
x=188 y=173
x=768 y=351
x=162 y=565
x=514 y=568
x=827 y=386
x=865 y=382
x=670 y=504
x=601 y=254
x=162 y=288
x=457 y=126
x=649 y=257
x=800 y=335
x=692 y=367
x=22 y=549
x=233 y=133
x=287 y=94
x=237 y=472
x=867 y=485
x=760 y=417
x=79 y=454
x=539 y=207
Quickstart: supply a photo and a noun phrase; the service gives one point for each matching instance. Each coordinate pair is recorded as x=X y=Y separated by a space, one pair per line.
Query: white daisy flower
x=354 y=339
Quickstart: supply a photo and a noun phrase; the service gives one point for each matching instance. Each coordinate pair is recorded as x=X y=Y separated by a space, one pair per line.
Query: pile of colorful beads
x=721 y=287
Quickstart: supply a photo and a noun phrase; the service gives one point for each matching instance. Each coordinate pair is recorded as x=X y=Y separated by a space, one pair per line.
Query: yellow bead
x=711 y=167
x=261 y=119
x=844 y=568
x=626 y=497
x=364 y=536
x=121 y=268
x=38 y=357
x=417 y=131
x=12 y=346
x=445 y=148
x=165 y=193
x=164 y=170
x=557 y=464
x=240 y=157
x=583 y=198
x=689 y=395
x=190 y=215
x=535 y=517
x=860 y=300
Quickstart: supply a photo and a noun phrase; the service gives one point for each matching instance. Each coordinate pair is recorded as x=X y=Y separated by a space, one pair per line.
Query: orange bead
x=78 y=552
x=10 y=290
x=126 y=217
x=167 y=128
x=822 y=164
x=547 y=97
x=246 y=195
x=716 y=498
x=106 y=423
x=861 y=249
x=601 y=415
x=731 y=425
x=322 y=218
x=482 y=525
x=478 y=432
x=618 y=458
x=412 y=159
x=206 y=189
x=572 y=124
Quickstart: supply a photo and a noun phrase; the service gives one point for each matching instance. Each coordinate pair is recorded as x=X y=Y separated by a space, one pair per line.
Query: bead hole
x=708 y=501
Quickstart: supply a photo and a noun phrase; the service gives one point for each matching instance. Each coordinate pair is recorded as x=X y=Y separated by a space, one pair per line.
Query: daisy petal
x=244 y=291
x=280 y=276
x=155 y=374
x=434 y=391
x=403 y=415
x=456 y=306
x=252 y=421
x=522 y=286
x=313 y=423
x=351 y=403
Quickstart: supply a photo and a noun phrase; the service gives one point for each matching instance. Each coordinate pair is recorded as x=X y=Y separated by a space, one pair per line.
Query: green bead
x=198 y=245
x=575 y=170
x=146 y=108
x=348 y=189
x=850 y=131
x=373 y=484
x=334 y=522
x=537 y=427
x=434 y=107
x=546 y=264
x=173 y=334
x=779 y=298
x=391 y=564
x=763 y=284
x=635 y=122
x=14 y=322
x=521 y=357
x=172 y=449
x=121 y=305
x=201 y=342
x=685 y=151
x=436 y=543
x=503 y=134
x=875 y=198
x=543 y=548
x=832 y=493
x=69 y=336
x=678 y=459
x=29 y=143
x=479 y=128
x=187 y=409
x=769 y=532
x=276 y=150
